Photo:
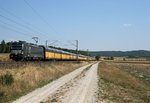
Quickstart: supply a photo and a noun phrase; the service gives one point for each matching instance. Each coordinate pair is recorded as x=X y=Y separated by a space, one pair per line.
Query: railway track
x=11 y=65
x=15 y=65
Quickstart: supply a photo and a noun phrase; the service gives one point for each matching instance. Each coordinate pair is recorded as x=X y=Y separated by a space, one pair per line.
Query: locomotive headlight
x=21 y=52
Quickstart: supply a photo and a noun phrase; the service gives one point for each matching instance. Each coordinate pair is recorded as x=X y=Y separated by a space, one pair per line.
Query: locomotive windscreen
x=16 y=46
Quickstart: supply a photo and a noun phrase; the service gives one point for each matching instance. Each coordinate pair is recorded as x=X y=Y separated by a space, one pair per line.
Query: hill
x=135 y=53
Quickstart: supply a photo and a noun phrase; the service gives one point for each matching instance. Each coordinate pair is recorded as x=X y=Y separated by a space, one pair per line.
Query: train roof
x=24 y=42
x=57 y=50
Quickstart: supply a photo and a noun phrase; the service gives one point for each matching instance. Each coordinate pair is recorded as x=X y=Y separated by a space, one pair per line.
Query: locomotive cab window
x=16 y=46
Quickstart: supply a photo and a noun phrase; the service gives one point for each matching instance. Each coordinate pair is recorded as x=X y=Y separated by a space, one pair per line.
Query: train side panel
x=58 y=56
x=49 y=55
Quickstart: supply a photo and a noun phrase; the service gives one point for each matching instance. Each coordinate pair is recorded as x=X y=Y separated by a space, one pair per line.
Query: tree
x=97 y=58
x=111 y=58
x=8 y=45
x=124 y=59
x=3 y=47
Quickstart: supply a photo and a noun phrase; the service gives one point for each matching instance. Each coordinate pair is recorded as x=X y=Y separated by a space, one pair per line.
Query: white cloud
x=127 y=25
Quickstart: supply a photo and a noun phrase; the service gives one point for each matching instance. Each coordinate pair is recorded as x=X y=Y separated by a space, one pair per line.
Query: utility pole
x=88 y=54
x=77 y=46
x=50 y=44
x=36 y=39
x=46 y=42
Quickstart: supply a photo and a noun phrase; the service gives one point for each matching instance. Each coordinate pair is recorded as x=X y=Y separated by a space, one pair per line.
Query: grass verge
x=4 y=57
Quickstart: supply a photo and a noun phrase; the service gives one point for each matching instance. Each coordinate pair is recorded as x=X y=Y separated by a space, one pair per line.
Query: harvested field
x=132 y=62
x=124 y=82
x=141 y=71
x=29 y=76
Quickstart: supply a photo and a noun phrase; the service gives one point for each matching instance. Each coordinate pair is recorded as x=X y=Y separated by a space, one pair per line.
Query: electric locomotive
x=26 y=51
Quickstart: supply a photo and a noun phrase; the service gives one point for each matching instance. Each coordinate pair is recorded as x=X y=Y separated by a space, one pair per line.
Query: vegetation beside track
x=4 y=57
x=29 y=76
x=119 y=83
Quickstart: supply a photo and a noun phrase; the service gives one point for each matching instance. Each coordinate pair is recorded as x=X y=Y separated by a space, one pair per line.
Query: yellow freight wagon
x=49 y=55
x=56 y=54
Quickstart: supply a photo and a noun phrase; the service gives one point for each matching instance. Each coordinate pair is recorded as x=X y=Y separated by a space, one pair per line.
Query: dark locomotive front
x=26 y=51
x=16 y=51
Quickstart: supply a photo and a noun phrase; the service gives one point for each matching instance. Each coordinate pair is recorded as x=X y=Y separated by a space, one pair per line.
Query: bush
x=78 y=62
x=6 y=79
x=2 y=93
x=97 y=58
x=109 y=58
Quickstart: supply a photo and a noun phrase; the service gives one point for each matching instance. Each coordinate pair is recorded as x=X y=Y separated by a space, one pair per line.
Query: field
x=18 y=79
x=4 y=57
x=124 y=82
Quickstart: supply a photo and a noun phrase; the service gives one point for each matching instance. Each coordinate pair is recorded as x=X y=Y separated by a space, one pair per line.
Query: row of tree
x=5 y=47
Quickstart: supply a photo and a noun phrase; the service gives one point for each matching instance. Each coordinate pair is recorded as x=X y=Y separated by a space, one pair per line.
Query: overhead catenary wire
x=8 y=28
x=40 y=17
x=73 y=44
x=15 y=27
x=55 y=42
x=24 y=26
x=25 y=22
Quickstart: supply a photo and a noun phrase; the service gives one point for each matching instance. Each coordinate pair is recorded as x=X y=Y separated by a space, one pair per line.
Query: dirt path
x=81 y=89
x=79 y=86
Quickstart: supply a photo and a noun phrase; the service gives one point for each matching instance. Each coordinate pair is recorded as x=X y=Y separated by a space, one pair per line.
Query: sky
x=98 y=25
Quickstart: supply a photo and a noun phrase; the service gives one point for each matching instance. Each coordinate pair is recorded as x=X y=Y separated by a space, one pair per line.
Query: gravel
x=84 y=91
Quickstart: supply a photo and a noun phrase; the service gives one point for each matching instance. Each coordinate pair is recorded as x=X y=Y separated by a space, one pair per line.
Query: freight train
x=22 y=50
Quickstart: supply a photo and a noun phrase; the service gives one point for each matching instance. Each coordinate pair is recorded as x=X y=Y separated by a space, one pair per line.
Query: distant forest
x=130 y=54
